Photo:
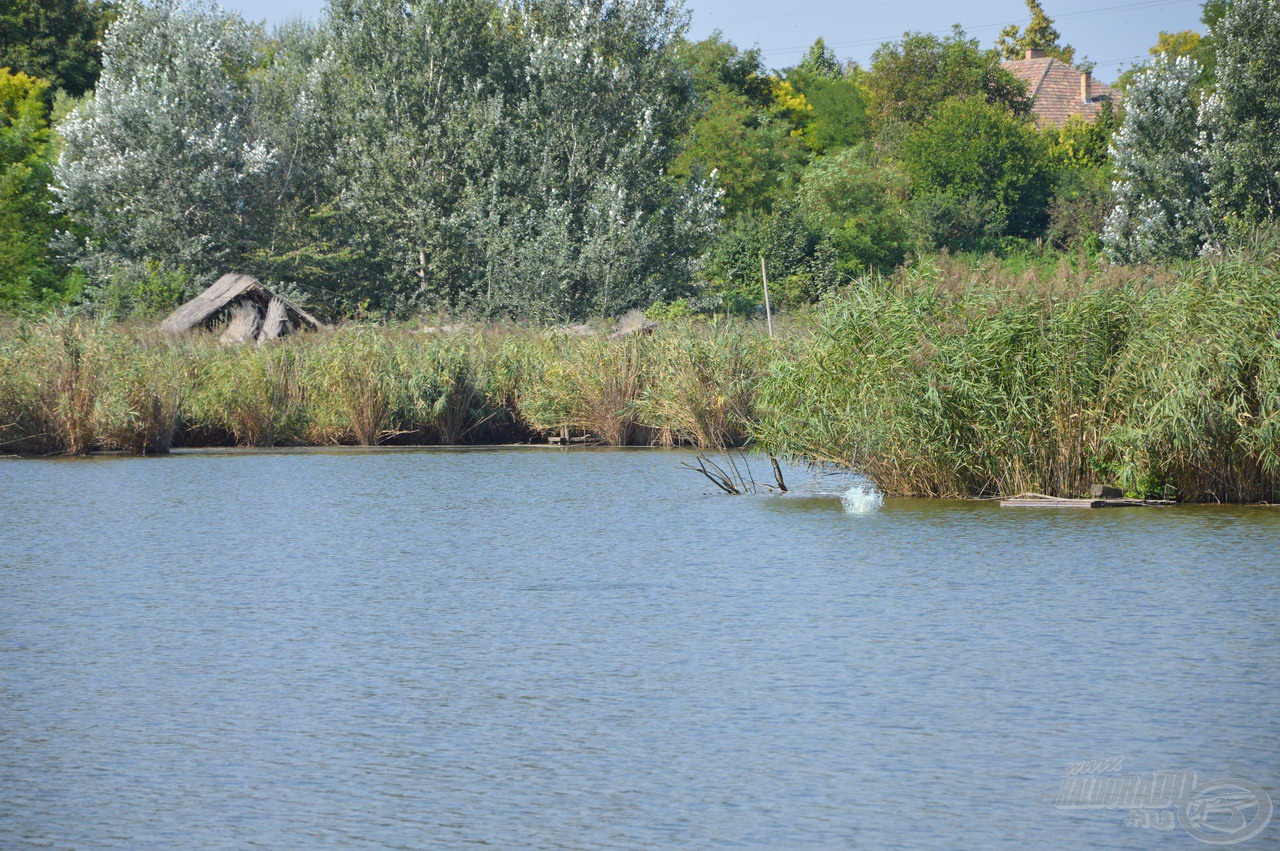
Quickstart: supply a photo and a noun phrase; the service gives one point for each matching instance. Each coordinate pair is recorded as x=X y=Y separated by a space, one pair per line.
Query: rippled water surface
x=542 y=648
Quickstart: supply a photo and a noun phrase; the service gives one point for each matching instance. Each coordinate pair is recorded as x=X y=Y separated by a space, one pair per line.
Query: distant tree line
x=555 y=159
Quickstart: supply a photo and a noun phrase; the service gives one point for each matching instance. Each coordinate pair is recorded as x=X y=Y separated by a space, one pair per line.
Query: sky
x=1113 y=33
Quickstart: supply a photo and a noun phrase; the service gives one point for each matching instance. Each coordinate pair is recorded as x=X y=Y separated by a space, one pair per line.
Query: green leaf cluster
x=29 y=276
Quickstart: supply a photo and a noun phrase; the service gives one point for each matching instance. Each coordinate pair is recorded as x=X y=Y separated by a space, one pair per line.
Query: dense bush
x=801 y=266
x=861 y=208
x=1241 y=145
x=1003 y=163
x=911 y=78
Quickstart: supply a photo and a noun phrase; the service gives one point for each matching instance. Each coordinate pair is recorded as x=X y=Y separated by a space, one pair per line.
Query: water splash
x=862 y=499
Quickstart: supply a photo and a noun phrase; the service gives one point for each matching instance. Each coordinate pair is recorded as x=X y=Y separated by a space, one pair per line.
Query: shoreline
x=1164 y=386
x=415 y=449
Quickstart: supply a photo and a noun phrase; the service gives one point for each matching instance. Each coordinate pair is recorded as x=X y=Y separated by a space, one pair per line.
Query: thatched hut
x=248 y=310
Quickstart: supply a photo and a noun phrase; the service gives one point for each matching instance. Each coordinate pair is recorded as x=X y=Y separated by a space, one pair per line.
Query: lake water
x=585 y=648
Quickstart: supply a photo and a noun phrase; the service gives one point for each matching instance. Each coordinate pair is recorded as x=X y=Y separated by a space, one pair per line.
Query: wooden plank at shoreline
x=1041 y=501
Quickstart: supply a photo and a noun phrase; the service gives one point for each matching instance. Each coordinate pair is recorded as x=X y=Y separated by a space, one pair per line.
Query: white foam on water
x=862 y=499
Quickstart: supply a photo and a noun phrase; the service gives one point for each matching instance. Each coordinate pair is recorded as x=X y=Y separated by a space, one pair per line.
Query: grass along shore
x=946 y=379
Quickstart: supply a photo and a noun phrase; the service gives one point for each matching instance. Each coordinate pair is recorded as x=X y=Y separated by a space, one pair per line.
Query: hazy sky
x=1113 y=33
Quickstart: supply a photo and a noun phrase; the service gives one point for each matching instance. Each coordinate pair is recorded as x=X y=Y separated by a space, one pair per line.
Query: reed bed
x=943 y=380
x=70 y=385
x=1164 y=383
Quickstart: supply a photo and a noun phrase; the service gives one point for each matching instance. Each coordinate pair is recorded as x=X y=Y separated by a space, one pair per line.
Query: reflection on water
x=584 y=648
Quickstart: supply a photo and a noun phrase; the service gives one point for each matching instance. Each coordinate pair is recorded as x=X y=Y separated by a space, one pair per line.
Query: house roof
x=1057 y=89
x=226 y=291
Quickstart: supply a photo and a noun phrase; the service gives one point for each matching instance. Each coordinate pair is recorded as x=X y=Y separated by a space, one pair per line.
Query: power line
x=1106 y=62
x=845 y=8
x=1144 y=4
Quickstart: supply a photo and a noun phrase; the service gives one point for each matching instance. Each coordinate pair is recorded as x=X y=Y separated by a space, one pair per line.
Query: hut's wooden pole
x=768 y=311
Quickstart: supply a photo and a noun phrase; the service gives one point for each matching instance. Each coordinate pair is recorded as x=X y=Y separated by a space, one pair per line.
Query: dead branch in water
x=777 y=472
x=734 y=483
x=719 y=477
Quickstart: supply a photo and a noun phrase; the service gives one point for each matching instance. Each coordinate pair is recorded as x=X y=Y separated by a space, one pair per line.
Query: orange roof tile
x=1056 y=89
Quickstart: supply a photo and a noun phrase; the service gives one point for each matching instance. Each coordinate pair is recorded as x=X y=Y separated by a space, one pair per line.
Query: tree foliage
x=1003 y=161
x=751 y=152
x=820 y=61
x=163 y=162
x=56 y=40
x=910 y=79
x=801 y=264
x=836 y=113
x=423 y=149
x=716 y=64
x=1039 y=34
x=563 y=158
x=1241 y=144
x=1160 y=207
x=862 y=209
x=28 y=276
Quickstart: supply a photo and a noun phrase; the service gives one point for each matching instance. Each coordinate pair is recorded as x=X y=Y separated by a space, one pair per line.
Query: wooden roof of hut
x=250 y=311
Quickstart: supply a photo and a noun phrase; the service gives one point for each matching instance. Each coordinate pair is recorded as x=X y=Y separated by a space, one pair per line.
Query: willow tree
x=502 y=157
x=589 y=220
x=1161 y=191
x=414 y=93
x=161 y=163
x=1239 y=119
x=514 y=158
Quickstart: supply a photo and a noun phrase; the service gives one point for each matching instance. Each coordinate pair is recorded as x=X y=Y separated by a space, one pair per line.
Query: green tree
x=1199 y=48
x=163 y=163
x=1039 y=34
x=57 y=40
x=838 y=116
x=1174 y=45
x=860 y=208
x=413 y=155
x=29 y=276
x=461 y=168
x=835 y=116
x=974 y=149
x=423 y=118
x=1169 y=46
x=801 y=263
x=750 y=152
x=1080 y=151
x=735 y=133
x=309 y=247
x=1083 y=143
x=910 y=79
x=596 y=226
x=1160 y=208
x=1211 y=13
x=1082 y=199
x=715 y=64
x=820 y=61
x=1240 y=119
